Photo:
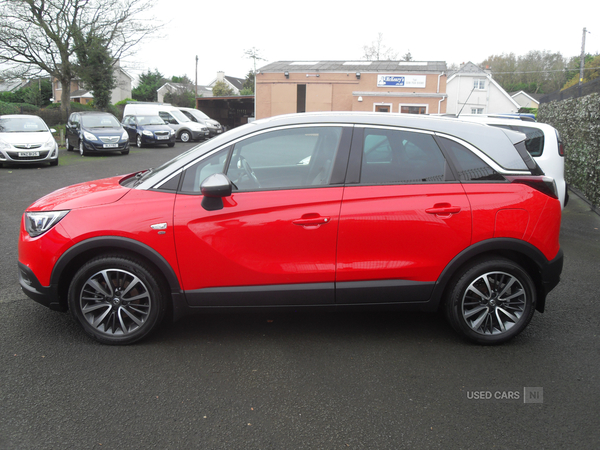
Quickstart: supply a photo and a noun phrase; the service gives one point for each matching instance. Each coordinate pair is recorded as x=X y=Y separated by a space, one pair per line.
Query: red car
x=330 y=211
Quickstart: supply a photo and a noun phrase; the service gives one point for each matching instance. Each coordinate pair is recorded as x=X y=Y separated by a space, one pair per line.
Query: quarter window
x=196 y=174
x=391 y=156
x=470 y=167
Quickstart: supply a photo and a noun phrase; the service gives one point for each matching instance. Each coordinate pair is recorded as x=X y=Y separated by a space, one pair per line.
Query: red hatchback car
x=331 y=211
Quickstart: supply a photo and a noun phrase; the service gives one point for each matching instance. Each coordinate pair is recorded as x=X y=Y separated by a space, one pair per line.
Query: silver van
x=196 y=115
x=185 y=129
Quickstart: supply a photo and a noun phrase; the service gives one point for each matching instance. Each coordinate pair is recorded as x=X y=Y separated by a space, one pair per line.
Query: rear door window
x=398 y=156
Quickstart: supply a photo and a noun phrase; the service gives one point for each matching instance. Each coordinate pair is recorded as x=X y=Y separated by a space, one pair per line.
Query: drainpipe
x=440 y=105
x=438 y=85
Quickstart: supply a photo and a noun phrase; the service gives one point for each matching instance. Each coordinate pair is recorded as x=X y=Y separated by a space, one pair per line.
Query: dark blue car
x=96 y=132
x=148 y=130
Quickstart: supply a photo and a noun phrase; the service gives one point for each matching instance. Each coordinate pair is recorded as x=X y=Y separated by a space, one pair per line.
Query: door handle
x=443 y=209
x=311 y=220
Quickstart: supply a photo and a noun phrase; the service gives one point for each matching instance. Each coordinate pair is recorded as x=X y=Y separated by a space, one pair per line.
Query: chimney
x=220 y=76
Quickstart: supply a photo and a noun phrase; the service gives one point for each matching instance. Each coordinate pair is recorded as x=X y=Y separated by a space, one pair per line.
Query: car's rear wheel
x=116 y=299
x=70 y=148
x=491 y=301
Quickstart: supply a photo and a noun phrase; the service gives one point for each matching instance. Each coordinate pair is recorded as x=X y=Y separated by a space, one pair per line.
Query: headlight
x=89 y=136
x=39 y=222
x=125 y=135
x=147 y=133
x=172 y=132
x=4 y=145
x=50 y=144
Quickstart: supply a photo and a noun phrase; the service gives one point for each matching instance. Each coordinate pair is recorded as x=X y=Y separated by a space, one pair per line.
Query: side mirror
x=214 y=188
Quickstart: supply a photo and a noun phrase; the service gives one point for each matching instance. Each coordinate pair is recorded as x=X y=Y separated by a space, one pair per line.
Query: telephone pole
x=582 y=59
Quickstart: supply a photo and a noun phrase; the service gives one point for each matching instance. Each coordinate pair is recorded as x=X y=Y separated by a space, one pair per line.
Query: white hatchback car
x=26 y=139
x=543 y=144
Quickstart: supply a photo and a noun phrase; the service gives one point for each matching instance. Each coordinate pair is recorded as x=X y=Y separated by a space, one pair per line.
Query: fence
x=578 y=122
x=576 y=91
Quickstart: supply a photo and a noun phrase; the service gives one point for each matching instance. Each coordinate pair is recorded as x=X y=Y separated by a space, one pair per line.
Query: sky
x=452 y=31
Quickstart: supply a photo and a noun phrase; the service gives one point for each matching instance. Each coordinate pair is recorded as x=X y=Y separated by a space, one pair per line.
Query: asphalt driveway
x=295 y=380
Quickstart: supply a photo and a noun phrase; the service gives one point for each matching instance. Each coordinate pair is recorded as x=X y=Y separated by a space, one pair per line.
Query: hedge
x=578 y=122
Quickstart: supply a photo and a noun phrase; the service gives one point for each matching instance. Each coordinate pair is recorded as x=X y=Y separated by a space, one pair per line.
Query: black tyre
x=116 y=299
x=491 y=301
x=185 y=136
x=125 y=152
x=54 y=162
x=70 y=148
x=172 y=144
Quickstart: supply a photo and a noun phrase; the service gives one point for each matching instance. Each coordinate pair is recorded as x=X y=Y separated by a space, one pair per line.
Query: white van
x=196 y=115
x=186 y=129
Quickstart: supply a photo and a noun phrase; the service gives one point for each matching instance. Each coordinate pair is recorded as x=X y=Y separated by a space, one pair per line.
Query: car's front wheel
x=139 y=142
x=185 y=136
x=491 y=301
x=82 y=151
x=116 y=299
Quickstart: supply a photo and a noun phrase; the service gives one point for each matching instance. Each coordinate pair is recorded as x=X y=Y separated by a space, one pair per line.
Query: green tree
x=536 y=72
x=148 y=84
x=248 y=86
x=221 y=89
x=591 y=70
x=39 y=35
x=95 y=67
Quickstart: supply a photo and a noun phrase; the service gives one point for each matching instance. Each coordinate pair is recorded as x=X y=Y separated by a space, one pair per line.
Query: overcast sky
x=313 y=30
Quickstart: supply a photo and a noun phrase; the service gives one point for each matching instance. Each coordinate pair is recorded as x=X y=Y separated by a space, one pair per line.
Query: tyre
x=185 y=136
x=54 y=162
x=125 y=152
x=82 y=151
x=171 y=144
x=491 y=301
x=116 y=299
x=138 y=141
x=70 y=148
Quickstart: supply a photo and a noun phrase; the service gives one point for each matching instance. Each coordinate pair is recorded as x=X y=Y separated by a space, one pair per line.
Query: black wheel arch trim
x=546 y=277
x=121 y=243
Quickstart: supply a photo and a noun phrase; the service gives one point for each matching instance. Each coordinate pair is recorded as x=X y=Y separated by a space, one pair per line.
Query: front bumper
x=47 y=296
x=197 y=135
x=99 y=146
x=28 y=157
x=153 y=140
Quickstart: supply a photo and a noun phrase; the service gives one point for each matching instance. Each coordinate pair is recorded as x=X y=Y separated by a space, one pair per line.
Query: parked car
x=94 y=132
x=186 y=130
x=389 y=211
x=26 y=139
x=148 y=130
x=543 y=143
x=196 y=115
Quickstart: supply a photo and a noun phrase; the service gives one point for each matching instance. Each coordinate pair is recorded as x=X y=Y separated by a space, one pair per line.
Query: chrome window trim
x=489 y=161
x=242 y=138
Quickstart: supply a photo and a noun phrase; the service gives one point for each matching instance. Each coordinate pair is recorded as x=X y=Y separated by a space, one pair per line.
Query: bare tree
x=377 y=51
x=38 y=35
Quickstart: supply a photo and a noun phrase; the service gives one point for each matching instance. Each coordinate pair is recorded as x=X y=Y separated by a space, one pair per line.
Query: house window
x=476 y=110
x=58 y=85
x=478 y=84
x=413 y=109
